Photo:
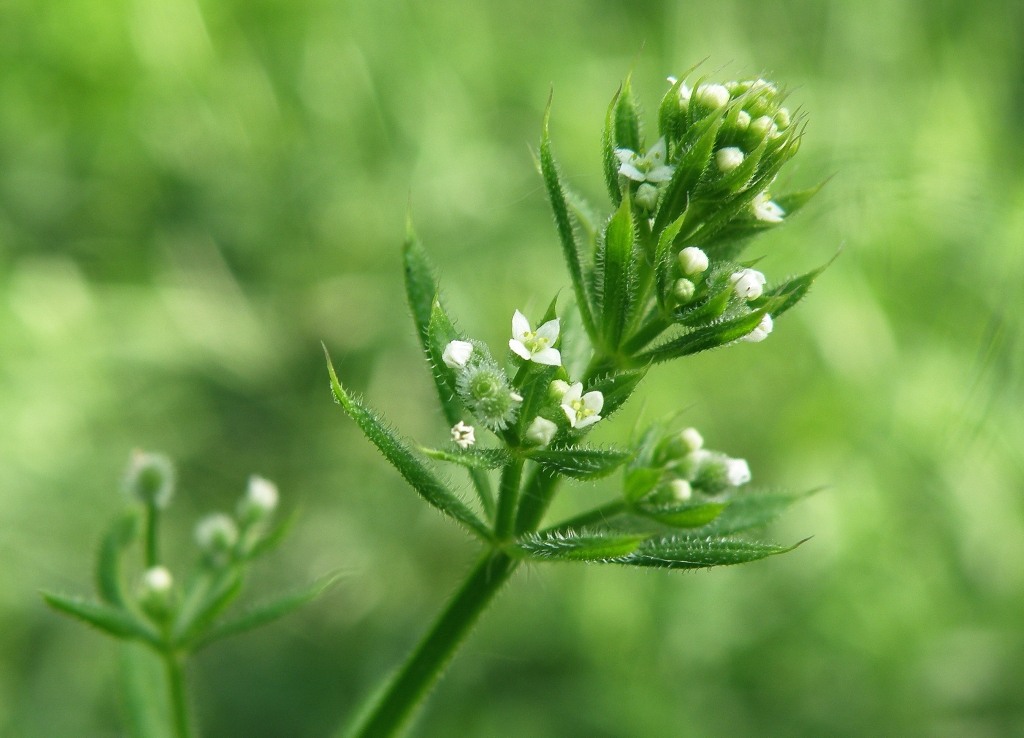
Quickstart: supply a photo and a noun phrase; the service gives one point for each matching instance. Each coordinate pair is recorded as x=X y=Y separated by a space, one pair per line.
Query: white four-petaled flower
x=463 y=435
x=456 y=354
x=582 y=409
x=535 y=345
x=651 y=167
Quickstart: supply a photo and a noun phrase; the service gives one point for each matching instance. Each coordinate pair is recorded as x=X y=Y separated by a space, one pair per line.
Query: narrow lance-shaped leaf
x=609 y=161
x=688 y=515
x=579 y=546
x=116 y=622
x=784 y=296
x=566 y=232
x=690 y=167
x=618 y=280
x=616 y=387
x=581 y=462
x=663 y=259
x=402 y=458
x=109 y=582
x=706 y=338
x=691 y=552
x=267 y=612
x=471 y=458
x=627 y=119
x=213 y=594
x=752 y=510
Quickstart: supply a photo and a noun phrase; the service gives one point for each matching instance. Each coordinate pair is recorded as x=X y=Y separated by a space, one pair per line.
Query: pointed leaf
x=688 y=515
x=689 y=169
x=616 y=388
x=273 y=538
x=267 y=612
x=750 y=510
x=402 y=458
x=210 y=595
x=627 y=120
x=580 y=462
x=109 y=582
x=616 y=270
x=640 y=482
x=784 y=296
x=113 y=621
x=610 y=163
x=566 y=232
x=702 y=339
x=686 y=552
x=579 y=546
x=471 y=458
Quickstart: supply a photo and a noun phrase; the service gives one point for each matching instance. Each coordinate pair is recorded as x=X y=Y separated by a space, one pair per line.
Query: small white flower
x=692 y=439
x=748 y=283
x=712 y=96
x=728 y=158
x=157 y=580
x=463 y=435
x=766 y=210
x=682 y=491
x=541 y=431
x=651 y=167
x=535 y=346
x=683 y=290
x=456 y=354
x=692 y=260
x=737 y=472
x=582 y=409
x=761 y=332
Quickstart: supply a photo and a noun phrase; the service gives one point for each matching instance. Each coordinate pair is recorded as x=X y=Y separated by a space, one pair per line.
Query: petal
x=660 y=174
x=549 y=331
x=519 y=349
x=589 y=420
x=570 y=414
x=628 y=170
x=658 y=152
x=548 y=356
x=572 y=394
x=593 y=401
x=625 y=156
x=520 y=326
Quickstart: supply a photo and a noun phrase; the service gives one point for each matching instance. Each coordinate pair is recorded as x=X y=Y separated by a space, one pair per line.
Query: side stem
x=396 y=704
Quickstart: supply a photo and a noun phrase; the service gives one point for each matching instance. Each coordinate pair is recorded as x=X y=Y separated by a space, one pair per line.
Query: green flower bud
x=150 y=479
x=259 y=502
x=683 y=291
x=217 y=536
x=486 y=392
x=156 y=592
x=646 y=196
x=541 y=431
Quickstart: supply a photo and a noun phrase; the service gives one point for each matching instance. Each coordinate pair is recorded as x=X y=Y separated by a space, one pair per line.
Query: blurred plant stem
x=177 y=695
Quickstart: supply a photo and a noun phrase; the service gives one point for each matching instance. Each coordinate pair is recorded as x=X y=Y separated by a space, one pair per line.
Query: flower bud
x=682 y=490
x=692 y=260
x=712 y=96
x=683 y=291
x=743 y=120
x=748 y=284
x=761 y=331
x=217 y=536
x=558 y=389
x=692 y=439
x=259 y=502
x=737 y=472
x=782 y=118
x=150 y=479
x=646 y=196
x=484 y=389
x=761 y=127
x=728 y=158
x=156 y=592
x=456 y=354
x=541 y=431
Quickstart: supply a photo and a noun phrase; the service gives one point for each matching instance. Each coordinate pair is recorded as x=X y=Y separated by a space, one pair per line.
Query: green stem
x=508 y=496
x=176 y=692
x=537 y=495
x=645 y=335
x=405 y=691
x=597 y=515
x=152 y=515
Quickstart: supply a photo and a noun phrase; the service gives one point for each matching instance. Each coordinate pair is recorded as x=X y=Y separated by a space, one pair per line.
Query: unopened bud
x=748 y=283
x=156 y=592
x=647 y=196
x=712 y=96
x=456 y=354
x=683 y=290
x=693 y=260
x=682 y=490
x=260 y=500
x=217 y=535
x=150 y=479
x=728 y=158
x=558 y=389
x=541 y=431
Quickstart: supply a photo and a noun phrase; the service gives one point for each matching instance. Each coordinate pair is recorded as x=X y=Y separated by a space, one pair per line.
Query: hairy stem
x=395 y=705
x=508 y=496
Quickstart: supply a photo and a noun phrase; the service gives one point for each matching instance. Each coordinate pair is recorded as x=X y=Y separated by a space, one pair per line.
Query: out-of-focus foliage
x=193 y=195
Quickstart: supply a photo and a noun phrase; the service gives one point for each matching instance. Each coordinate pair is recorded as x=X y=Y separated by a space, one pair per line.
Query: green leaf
x=610 y=163
x=640 y=481
x=616 y=273
x=627 y=120
x=688 y=171
x=111 y=620
x=566 y=232
x=402 y=458
x=472 y=458
x=580 y=462
x=691 y=552
x=688 y=515
x=784 y=296
x=663 y=256
x=267 y=612
x=274 y=537
x=420 y=282
x=702 y=339
x=671 y=116
x=208 y=595
x=109 y=582
x=616 y=387
x=748 y=510
x=579 y=546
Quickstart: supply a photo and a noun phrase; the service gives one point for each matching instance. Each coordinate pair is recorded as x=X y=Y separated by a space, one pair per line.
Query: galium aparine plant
x=661 y=278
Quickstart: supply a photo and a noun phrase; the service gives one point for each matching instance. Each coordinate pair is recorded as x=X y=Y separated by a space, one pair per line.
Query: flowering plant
x=661 y=278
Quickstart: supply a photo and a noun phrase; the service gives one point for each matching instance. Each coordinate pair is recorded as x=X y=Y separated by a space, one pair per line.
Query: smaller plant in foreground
x=659 y=278
x=175 y=615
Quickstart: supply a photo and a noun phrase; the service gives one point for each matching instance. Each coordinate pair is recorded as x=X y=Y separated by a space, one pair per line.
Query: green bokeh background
x=194 y=194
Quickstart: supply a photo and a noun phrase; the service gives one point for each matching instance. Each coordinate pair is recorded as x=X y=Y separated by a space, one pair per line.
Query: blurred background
x=195 y=193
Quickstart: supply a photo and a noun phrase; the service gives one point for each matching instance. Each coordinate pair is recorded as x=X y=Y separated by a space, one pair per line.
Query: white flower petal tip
x=766 y=210
x=761 y=331
x=456 y=354
x=748 y=283
x=463 y=435
x=737 y=472
x=582 y=410
x=535 y=346
x=541 y=431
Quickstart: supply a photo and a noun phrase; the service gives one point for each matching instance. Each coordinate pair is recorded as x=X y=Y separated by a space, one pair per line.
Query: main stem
x=397 y=703
x=177 y=695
